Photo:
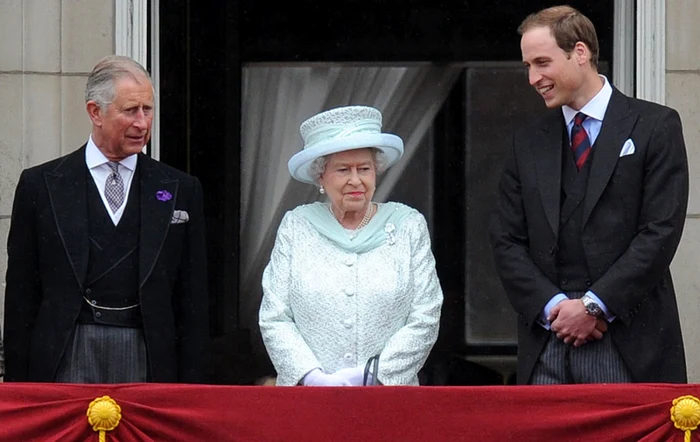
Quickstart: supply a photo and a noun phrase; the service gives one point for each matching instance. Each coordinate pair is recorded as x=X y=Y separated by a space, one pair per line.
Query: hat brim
x=390 y=145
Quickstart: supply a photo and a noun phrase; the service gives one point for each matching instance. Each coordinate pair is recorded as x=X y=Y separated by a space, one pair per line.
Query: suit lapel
x=616 y=129
x=548 y=149
x=66 y=186
x=155 y=213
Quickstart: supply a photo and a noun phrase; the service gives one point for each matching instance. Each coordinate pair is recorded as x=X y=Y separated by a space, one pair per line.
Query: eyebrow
x=349 y=163
x=539 y=59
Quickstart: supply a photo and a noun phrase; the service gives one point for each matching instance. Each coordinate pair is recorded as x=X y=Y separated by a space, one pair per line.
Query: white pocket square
x=627 y=148
x=179 y=217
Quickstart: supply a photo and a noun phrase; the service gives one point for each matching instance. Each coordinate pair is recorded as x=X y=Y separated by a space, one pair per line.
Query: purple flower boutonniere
x=163 y=195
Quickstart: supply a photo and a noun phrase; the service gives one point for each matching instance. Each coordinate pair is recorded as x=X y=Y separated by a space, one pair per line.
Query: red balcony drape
x=165 y=412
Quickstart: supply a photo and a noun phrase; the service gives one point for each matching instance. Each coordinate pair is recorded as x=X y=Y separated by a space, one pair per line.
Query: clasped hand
x=571 y=323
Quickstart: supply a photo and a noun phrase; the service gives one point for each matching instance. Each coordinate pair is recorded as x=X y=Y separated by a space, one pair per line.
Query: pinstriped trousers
x=595 y=362
x=100 y=354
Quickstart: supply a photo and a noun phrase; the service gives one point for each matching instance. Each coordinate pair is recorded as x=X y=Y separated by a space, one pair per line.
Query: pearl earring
x=321 y=190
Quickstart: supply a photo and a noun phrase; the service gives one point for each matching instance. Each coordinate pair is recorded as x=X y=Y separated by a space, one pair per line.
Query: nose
x=354 y=177
x=533 y=76
x=141 y=120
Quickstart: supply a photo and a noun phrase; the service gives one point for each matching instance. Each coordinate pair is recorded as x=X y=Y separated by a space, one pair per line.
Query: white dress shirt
x=595 y=109
x=97 y=164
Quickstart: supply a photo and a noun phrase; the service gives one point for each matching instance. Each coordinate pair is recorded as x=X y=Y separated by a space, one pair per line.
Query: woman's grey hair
x=100 y=83
x=318 y=166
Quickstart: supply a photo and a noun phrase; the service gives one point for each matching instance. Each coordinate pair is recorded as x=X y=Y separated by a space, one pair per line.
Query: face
x=350 y=179
x=123 y=127
x=559 y=77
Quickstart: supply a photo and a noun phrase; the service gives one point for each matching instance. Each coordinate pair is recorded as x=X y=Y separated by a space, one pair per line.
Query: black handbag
x=372 y=366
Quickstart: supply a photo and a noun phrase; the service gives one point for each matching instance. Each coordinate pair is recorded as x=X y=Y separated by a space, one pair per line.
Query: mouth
x=544 y=89
x=136 y=138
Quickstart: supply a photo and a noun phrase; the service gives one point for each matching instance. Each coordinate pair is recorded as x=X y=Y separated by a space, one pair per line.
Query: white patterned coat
x=328 y=308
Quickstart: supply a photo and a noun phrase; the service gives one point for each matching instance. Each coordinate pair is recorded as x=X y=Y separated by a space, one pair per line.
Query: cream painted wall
x=47 y=49
x=683 y=94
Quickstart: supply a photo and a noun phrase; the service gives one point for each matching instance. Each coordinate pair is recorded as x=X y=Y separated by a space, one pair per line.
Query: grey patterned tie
x=114 y=187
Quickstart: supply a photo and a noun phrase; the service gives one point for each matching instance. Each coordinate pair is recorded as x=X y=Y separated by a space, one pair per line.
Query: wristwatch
x=592 y=307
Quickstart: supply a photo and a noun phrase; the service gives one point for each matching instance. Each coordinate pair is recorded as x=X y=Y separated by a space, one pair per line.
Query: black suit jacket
x=48 y=261
x=632 y=220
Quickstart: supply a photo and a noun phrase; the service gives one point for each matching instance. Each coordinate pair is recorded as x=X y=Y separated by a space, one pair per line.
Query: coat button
x=88 y=291
x=98 y=314
x=349 y=292
x=350 y=261
x=348 y=356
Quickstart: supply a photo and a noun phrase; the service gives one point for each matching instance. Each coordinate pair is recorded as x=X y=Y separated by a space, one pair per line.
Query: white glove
x=317 y=378
x=353 y=375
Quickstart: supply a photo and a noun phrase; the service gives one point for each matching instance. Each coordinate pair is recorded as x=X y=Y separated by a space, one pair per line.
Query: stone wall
x=683 y=94
x=47 y=49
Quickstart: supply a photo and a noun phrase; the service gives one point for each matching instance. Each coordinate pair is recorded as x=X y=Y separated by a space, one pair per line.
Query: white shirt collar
x=95 y=158
x=595 y=108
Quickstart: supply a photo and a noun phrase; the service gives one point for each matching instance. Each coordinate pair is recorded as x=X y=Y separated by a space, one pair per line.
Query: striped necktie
x=580 y=144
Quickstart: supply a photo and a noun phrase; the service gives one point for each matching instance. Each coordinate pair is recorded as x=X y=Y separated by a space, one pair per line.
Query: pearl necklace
x=365 y=218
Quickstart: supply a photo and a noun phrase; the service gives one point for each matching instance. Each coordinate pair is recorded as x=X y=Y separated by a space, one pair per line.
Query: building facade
x=48 y=48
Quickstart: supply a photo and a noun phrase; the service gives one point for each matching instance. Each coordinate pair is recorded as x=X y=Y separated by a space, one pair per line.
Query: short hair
x=318 y=166
x=568 y=26
x=102 y=79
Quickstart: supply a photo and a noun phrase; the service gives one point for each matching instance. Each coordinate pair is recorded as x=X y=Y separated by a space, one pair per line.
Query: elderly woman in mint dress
x=349 y=279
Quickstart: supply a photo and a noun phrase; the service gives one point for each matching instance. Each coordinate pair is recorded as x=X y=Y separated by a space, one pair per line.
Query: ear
x=94 y=112
x=582 y=53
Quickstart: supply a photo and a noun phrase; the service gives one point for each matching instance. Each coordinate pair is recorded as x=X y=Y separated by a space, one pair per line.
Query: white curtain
x=276 y=100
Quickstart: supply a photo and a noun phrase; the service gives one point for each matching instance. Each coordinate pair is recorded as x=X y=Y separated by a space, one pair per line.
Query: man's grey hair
x=318 y=166
x=102 y=79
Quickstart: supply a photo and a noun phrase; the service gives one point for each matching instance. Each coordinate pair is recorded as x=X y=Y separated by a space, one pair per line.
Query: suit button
x=563 y=281
x=88 y=291
x=588 y=283
x=98 y=314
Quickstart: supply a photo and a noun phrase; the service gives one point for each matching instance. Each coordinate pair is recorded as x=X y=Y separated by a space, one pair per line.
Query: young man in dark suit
x=592 y=204
x=106 y=277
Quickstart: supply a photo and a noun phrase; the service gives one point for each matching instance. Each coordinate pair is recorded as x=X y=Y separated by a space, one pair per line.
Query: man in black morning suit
x=106 y=278
x=591 y=208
